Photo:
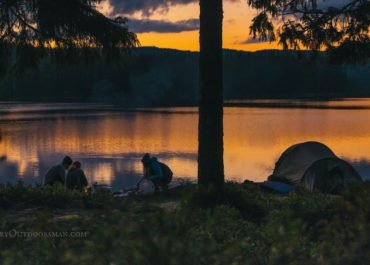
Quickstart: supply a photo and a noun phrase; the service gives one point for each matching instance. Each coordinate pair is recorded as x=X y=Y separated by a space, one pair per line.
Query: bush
x=245 y=226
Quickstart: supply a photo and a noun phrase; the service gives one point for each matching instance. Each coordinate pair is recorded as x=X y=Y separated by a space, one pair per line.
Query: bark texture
x=210 y=151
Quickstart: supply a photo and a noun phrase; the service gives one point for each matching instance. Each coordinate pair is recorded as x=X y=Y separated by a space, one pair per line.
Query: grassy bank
x=246 y=226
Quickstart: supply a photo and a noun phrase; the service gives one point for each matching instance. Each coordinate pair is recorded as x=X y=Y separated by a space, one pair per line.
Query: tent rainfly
x=314 y=166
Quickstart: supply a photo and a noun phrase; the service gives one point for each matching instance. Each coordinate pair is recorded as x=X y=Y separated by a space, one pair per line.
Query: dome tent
x=330 y=174
x=295 y=161
x=314 y=166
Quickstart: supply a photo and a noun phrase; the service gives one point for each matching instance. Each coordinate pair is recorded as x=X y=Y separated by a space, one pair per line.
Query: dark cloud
x=162 y=26
x=147 y=7
x=323 y=4
x=249 y=40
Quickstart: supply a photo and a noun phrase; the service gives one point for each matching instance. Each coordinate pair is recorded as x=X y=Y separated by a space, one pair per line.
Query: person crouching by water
x=58 y=173
x=76 y=178
x=159 y=173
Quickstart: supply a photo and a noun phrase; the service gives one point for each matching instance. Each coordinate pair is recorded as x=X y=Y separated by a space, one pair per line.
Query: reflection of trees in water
x=2 y=156
x=254 y=139
x=8 y=171
x=32 y=149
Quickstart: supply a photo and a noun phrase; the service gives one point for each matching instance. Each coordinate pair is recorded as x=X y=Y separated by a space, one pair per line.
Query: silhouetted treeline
x=168 y=77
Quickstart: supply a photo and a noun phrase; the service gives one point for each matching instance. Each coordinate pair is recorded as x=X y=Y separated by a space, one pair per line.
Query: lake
x=110 y=141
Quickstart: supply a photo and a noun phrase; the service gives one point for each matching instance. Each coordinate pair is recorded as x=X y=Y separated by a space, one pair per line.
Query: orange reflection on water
x=268 y=132
x=110 y=146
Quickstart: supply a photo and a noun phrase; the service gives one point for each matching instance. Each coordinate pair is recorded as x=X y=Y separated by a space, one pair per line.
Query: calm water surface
x=110 y=142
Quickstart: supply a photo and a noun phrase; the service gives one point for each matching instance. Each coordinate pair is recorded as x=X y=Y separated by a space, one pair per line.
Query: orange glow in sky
x=237 y=18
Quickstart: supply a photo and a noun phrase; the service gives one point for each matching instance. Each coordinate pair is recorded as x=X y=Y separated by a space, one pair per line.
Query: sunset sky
x=174 y=23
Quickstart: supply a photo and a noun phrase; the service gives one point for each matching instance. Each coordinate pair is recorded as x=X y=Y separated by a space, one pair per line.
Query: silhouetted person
x=76 y=179
x=57 y=174
x=159 y=173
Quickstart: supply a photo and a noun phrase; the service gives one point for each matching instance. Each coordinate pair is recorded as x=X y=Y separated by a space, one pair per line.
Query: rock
x=67 y=218
x=169 y=206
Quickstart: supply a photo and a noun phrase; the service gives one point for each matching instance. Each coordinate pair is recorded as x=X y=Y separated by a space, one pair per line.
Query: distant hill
x=153 y=76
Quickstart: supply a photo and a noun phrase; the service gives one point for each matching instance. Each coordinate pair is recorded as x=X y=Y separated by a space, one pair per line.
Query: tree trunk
x=210 y=137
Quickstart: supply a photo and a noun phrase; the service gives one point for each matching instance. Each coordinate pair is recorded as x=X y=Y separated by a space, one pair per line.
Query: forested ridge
x=153 y=77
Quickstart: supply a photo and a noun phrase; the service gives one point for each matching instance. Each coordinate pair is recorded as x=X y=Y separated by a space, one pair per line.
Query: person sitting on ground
x=159 y=173
x=58 y=173
x=76 y=179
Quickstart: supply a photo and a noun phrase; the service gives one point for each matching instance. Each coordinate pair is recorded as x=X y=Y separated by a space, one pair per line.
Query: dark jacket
x=158 y=171
x=76 y=179
x=55 y=175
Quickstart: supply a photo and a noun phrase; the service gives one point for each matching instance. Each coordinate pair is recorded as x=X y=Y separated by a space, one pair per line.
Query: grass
x=247 y=226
